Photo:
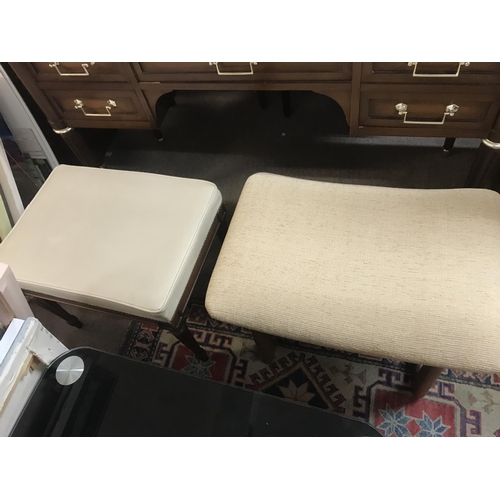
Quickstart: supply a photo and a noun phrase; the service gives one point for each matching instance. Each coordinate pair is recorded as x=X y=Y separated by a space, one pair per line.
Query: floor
x=224 y=137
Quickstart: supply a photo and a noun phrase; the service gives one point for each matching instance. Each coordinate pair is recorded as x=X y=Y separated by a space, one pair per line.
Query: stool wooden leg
x=186 y=337
x=223 y=225
x=424 y=379
x=266 y=346
x=56 y=309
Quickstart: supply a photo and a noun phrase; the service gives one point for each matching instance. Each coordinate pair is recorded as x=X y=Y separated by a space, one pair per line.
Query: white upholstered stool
x=408 y=274
x=130 y=243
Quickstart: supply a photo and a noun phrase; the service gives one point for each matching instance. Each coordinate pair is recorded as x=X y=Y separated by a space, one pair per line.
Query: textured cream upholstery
x=125 y=241
x=408 y=274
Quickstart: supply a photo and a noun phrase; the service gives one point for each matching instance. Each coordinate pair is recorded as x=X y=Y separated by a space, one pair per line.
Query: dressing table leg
x=448 y=145
x=163 y=104
x=485 y=171
x=158 y=134
x=286 y=102
x=87 y=155
x=261 y=95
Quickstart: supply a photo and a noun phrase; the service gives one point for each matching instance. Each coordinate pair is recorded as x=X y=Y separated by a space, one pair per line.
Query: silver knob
x=70 y=370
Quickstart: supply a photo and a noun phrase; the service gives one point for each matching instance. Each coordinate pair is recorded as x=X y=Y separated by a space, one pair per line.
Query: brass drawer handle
x=229 y=73
x=451 y=75
x=402 y=109
x=110 y=104
x=84 y=66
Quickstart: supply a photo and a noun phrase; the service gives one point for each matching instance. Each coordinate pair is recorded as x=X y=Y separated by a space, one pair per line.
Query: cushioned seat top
x=125 y=241
x=408 y=274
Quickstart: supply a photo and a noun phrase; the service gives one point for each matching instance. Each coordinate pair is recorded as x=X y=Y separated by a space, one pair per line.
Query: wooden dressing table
x=386 y=99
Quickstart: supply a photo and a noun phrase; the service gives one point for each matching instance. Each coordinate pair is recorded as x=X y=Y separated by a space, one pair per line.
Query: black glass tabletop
x=87 y=392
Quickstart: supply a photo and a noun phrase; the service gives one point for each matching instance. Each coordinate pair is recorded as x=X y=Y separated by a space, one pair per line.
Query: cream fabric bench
x=407 y=274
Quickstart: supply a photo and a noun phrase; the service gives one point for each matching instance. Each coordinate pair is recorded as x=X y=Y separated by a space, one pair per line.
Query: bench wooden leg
x=266 y=346
x=58 y=310
x=184 y=335
x=424 y=379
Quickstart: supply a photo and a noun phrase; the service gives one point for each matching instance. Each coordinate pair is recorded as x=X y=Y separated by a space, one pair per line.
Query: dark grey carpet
x=224 y=137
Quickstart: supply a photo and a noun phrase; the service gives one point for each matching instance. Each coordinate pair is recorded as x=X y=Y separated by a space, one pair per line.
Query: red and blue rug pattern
x=372 y=389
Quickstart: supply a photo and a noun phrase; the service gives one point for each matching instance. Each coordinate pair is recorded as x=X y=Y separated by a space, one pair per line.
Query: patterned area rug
x=371 y=389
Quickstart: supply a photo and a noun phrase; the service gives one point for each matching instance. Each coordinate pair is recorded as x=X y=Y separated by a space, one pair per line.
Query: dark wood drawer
x=96 y=108
x=476 y=111
x=432 y=73
x=78 y=72
x=242 y=72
